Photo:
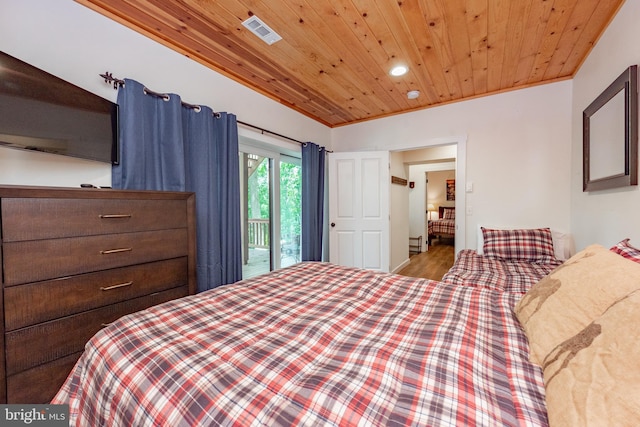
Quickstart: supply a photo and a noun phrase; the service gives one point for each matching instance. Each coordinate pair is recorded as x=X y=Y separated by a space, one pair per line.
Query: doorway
x=437 y=155
x=270 y=185
x=438 y=150
x=426 y=197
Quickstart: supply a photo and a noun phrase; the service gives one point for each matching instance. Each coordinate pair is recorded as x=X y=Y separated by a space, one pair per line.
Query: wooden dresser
x=74 y=260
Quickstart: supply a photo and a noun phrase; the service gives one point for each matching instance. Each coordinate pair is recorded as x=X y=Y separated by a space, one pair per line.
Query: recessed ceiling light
x=413 y=94
x=399 y=70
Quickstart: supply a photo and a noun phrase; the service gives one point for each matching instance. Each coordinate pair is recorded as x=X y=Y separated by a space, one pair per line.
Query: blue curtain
x=171 y=147
x=313 y=164
x=151 y=141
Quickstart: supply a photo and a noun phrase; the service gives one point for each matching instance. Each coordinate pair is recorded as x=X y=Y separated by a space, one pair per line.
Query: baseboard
x=402 y=265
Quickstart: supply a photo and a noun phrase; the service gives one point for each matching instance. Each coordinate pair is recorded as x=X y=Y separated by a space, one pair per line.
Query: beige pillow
x=593 y=378
x=574 y=295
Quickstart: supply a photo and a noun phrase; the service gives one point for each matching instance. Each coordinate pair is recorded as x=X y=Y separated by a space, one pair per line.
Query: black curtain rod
x=108 y=78
x=263 y=131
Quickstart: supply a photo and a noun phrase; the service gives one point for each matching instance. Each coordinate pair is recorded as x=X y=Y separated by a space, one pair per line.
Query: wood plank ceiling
x=333 y=61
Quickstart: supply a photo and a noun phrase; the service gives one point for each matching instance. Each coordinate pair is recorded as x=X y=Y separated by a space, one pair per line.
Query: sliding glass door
x=270 y=186
x=255 y=184
x=290 y=210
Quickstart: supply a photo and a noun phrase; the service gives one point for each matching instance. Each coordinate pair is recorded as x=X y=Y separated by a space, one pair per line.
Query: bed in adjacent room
x=444 y=226
x=321 y=344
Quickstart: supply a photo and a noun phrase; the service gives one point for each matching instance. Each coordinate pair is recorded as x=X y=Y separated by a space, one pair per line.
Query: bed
x=313 y=344
x=444 y=226
x=472 y=269
x=321 y=344
x=509 y=259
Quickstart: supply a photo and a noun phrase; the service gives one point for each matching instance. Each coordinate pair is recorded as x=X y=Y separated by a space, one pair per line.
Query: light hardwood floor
x=432 y=264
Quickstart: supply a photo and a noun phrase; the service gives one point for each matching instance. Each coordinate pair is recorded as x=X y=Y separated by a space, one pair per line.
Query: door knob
x=333 y=224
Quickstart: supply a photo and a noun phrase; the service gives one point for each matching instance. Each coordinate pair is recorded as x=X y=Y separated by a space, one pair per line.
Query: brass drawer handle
x=115 y=216
x=115 y=251
x=121 y=285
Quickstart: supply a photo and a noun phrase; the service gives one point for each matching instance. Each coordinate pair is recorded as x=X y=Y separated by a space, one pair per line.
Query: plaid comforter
x=471 y=269
x=313 y=344
x=441 y=226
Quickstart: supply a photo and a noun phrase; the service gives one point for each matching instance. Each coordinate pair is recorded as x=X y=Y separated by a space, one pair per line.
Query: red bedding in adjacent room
x=313 y=344
x=438 y=227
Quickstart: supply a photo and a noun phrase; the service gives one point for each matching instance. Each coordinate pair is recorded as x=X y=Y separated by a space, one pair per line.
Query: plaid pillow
x=449 y=214
x=625 y=249
x=533 y=245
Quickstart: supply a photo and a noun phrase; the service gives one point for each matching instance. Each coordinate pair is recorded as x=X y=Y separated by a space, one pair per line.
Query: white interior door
x=359 y=209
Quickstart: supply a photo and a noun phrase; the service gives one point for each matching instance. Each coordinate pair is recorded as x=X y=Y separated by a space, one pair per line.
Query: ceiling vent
x=262 y=30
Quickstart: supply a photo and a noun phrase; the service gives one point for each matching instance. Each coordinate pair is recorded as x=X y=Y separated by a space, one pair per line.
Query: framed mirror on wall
x=610 y=135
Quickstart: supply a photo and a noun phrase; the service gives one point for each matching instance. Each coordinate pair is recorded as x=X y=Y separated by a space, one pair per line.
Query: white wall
x=438 y=188
x=399 y=215
x=518 y=153
x=76 y=44
x=418 y=204
x=606 y=216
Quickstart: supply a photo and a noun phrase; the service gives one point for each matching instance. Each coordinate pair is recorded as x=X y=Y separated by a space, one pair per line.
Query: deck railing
x=259 y=233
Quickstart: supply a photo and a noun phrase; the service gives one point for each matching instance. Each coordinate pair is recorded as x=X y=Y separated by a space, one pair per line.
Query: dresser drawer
x=42 y=301
x=36 y=260
x=43 y=343
x=43 y=218
x=49 y=377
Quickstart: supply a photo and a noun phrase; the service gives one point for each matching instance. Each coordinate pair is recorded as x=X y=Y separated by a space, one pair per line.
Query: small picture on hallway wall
x=451 y=189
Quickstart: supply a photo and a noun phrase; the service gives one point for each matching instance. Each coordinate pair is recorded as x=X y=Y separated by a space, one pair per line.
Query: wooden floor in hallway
x=432 y=264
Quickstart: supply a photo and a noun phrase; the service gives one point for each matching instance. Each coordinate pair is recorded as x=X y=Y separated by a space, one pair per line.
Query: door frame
x=461 y=178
